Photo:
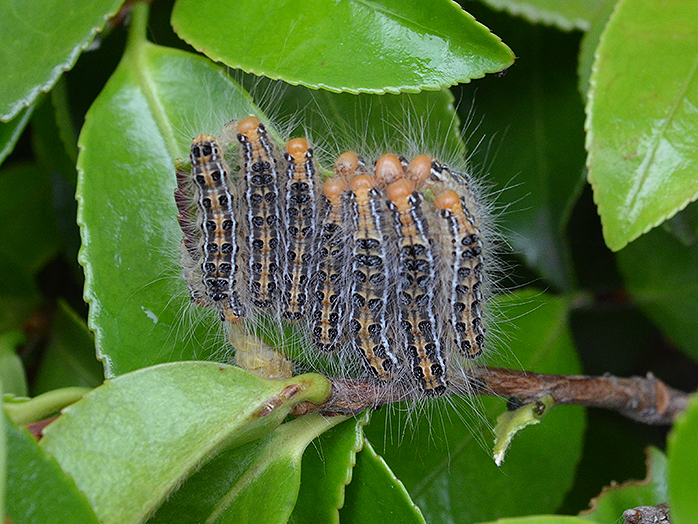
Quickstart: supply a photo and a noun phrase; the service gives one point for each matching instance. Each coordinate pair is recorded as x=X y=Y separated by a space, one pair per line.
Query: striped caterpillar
x=383 y=263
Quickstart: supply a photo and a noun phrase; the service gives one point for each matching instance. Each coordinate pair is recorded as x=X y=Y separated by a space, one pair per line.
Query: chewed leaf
x=379 y=47
x=511 y=422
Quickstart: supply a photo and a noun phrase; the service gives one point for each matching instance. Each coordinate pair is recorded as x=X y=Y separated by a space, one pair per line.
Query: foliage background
x=576 y=304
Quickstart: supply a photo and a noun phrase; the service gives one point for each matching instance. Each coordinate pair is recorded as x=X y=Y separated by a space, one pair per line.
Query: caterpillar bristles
x=378 y=271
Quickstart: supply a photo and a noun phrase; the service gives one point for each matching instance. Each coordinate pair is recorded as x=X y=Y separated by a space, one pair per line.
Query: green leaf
x=326 y=470
x=641 y=119
x=682 y=452
x=38 y=492
x=385 y=46
x=574 y=14
x=155 y=103
x=614 y=500
x=230 y=487
x=12 y=376
x=156 y=426
x=439 y=451
x=39 y=39
x=11 y=131
x=661 y=273
x=26 y=218
x=376 y=495
x=69 y=358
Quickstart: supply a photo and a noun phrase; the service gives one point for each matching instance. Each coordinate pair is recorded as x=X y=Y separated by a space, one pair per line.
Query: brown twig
x=644 y=399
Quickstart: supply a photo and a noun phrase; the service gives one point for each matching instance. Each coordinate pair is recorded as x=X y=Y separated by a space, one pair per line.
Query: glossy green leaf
x=39 y=39
x=10 y=131
x=69 y=358
x=230 y=487
x=327 y=468
x=385 y=46
x=682 y=453
x=614 y=500
x=442 y=451
x=661 y=274
x=38 y=492
x=156 y=426
x=26 y=218
x=12 y=376
x=376 y=495
x=154 y=104
x=568 y=15
x=532 y=150
x=641 y=117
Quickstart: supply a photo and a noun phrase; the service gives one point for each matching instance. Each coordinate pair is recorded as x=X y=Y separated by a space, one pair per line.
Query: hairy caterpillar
x=384 y=268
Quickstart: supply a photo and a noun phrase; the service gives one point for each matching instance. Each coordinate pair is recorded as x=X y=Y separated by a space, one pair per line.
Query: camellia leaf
x=574 y=14
x=39 y=39
x=385 y=46
x=154 y=104
x=38 y=492
x=326 y=470
x=641 y=117
x=376 y=495
x=156 y=426
x=439 y=449
x=230 y=487
x=682 y=452
x=616 y=499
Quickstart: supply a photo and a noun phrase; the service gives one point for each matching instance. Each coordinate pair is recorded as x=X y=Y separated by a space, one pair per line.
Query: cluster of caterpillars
x=385 y=261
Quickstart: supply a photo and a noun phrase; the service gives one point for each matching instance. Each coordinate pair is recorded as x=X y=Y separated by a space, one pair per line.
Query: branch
x=644 y=399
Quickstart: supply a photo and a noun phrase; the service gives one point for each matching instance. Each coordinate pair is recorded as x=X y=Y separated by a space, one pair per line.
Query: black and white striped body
x=262 y=212
x=218 y=249
x=370 y=283
x=300 y=228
